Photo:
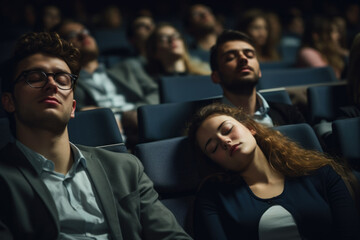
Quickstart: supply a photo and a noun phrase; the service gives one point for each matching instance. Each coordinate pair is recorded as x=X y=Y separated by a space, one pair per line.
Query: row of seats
x=168 y=120
x=170 y=162
x=188 y=88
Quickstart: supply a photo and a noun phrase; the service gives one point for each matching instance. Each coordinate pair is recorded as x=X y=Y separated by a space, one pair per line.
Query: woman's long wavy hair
x=284 y=155
x=317 y=35
x=154 y=66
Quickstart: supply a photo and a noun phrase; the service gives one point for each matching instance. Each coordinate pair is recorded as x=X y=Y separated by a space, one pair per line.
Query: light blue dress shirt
x=79 y=213
x=262 y=108
x=104 y=90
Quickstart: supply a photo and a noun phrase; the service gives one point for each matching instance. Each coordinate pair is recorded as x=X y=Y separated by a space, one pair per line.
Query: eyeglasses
x=166 y=38
x=76 y=34
x=38 y=79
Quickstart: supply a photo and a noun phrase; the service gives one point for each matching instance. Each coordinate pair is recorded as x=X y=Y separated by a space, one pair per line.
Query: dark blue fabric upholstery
x=275 y=78
x=324 y=102
x=187 y=88
x=166 y=120
x=280 y=96
x=346 y=136
x=97 y=128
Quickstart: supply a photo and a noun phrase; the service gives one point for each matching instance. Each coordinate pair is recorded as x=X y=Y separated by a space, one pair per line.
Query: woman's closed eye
x=226 y=129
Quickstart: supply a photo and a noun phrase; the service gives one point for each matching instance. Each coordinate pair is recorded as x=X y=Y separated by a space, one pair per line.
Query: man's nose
x=51 y=83
x=242 y=59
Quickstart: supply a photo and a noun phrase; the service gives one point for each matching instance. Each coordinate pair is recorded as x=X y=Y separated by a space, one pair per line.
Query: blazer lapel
x=126 y=79
x=23 y=164
x=104 y=192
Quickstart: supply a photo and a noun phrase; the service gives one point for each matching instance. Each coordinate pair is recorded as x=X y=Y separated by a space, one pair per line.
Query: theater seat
x=96 y=128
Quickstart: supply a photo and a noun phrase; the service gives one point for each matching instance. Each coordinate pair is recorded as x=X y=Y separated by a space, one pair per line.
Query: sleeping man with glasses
x=53 y=189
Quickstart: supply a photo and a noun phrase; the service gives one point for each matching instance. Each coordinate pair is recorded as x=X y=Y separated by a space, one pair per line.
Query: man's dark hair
x=42 y=42
x=226 y=36
x=32 y=43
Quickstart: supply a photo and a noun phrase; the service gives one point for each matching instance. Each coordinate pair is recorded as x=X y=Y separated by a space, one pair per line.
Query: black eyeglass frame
x=23 y=74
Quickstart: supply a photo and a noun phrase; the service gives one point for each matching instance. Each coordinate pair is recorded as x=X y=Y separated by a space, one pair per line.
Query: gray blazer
x=128 y=76
x=125 y=194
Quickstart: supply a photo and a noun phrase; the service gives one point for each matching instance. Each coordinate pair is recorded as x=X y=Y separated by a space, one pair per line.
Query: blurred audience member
x=352 y=16
x=202 y=25
x=293 y=27
x=353 y=79
x=48 y=17
x=115 y=88
x=109 y=18
x=275 y=28
x=139 y=29
x=320 y=46
x=167 y=54
x=255 y=23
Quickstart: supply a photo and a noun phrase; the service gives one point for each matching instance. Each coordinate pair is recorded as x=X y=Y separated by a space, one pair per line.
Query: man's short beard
x=204 y=30
x=240 y=86
x=88 y=56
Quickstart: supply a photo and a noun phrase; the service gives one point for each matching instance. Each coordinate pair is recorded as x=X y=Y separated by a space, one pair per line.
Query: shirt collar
x=85 y=74
x=262 y=106
x=40 y=163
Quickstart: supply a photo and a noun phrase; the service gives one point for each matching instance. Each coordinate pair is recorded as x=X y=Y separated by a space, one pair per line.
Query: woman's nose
x=226 y=143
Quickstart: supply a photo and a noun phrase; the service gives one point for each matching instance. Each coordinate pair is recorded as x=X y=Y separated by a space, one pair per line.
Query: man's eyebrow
x=230 y=51
x=209 y=140
x=237 y=50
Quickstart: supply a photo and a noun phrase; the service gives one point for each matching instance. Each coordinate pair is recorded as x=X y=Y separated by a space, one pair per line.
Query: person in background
x=139 y=29
x=254 y=23
x=320 y=47
x=167 y=54
x=235 y=66
x=48 y=17
x=202 y=25
x=53 y=189
x=116 y=88
x=257 y=184
x=353 y=81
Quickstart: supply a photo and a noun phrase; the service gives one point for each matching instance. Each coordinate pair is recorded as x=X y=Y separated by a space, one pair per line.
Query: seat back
x=324 y=102
x=167 y=120
x=280 y=96
x=170 y=164
x=5 y=135
x=187 y=88
x=303 y=134
x=275 y=78
x=97 y=128
x=346 y=136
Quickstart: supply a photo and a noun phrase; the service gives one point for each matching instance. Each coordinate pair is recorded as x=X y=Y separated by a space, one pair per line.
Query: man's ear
x=260 y=74
x=73 y=109
x=215 y=77
x=8 y=102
